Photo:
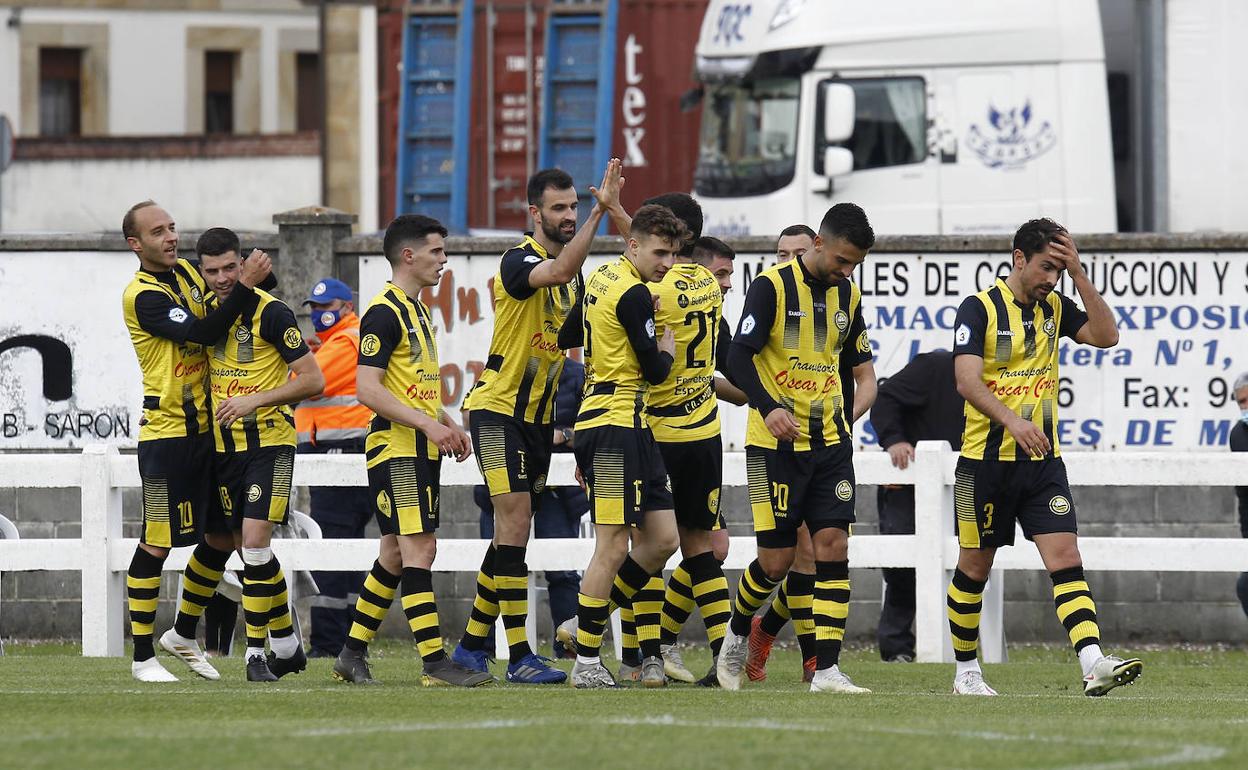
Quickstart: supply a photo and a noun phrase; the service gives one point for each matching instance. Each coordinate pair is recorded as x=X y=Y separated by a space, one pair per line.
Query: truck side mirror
x=838 y=112
x=837 y=161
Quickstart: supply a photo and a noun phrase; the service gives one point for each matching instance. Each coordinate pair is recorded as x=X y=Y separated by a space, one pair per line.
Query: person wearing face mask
x=334 y=423
x=1239 y=443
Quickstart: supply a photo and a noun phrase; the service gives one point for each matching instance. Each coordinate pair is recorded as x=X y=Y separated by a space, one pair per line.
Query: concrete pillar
x=306 y=254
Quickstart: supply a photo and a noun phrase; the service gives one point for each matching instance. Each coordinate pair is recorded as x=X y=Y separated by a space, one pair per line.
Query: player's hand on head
x=902 y=454
x=1029 y=437
x=256 y=268
x=1064 y=250
x=782 y=424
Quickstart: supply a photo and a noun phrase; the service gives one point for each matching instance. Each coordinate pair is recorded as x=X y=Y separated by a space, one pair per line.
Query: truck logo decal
x=1009 y=139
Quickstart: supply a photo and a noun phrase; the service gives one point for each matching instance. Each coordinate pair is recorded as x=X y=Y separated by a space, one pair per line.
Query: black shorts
x=177 y=489
x=988 y=497
x=696 y=469
x=514 y=456
x=254 y=484
x=787 y=489
x=406 y=493
x=624 y=472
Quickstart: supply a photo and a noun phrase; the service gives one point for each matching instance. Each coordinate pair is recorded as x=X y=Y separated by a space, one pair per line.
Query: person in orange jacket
x=335 y=423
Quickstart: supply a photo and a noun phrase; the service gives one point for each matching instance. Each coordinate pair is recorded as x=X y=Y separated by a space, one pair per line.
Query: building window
x=219 y=69
x=308 y=105
x=60 y=91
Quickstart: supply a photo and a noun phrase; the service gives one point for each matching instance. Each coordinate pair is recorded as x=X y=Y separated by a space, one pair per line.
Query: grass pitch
x=1189 y=709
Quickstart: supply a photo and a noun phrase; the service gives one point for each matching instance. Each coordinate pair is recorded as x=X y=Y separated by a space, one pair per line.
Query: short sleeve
x=857 y=347
x=279 y=328
x=1073 y=318
x=635 y=311
x=758 y=315
x=969 y=328
x=515 y=268
x=158 y=314
x=380 y=334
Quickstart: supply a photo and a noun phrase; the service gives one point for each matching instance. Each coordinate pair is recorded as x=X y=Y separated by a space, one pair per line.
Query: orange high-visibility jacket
x=336 y=415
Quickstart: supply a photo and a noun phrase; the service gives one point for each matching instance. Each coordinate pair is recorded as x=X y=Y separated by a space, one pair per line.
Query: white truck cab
x=935 y=116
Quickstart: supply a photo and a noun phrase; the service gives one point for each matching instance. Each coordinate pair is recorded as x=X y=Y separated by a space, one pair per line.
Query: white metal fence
x=102 y=555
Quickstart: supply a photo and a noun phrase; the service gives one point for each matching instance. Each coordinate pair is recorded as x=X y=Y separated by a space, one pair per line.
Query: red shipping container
x=653 y=70
x=658 y=141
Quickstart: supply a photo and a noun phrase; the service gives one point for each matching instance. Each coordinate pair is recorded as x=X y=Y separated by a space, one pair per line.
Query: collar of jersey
x=807 y=277
x=529 y=240
x=631 y=267
x=402 y=293
x=1005 y=289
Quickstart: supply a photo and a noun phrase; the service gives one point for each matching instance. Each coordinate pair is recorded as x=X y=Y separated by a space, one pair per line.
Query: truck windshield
x=749 y=137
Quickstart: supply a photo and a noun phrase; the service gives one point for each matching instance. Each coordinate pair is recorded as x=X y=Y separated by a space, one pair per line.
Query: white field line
x=1177 y=753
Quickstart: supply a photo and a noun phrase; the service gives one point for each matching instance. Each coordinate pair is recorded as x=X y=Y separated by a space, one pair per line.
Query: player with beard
x=511 y=408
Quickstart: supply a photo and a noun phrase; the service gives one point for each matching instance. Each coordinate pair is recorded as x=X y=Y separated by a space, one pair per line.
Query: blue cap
x=327 y=290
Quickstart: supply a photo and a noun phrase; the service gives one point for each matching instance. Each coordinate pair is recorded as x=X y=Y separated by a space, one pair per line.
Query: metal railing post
x=103 y=591
x=932 y=518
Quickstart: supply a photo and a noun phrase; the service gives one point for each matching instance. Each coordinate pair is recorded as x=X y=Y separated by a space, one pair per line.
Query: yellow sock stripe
x=1065 y=609
x=584 y=636
x=780 y=606
x=382 y=591
x=681 y=576
x=1071 y=587
x=1088 y=629
x=669 y=624
x=967 y=620
x=429 y=646
x=628 y=628
x=148 y=582
x=477 y=628
x=964 y=646
x=362 y=633
x=421 y=597
x=964 y=597
x=747 y=580
x=371 y=610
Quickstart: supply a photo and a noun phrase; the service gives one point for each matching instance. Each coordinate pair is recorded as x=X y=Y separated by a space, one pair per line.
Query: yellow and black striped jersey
x=252 y=358
x=621 y=352
x=1018 y=343
x=160 y=309
x=802 y=331
x=397 y=335
x=521 y=373
x=683 y=407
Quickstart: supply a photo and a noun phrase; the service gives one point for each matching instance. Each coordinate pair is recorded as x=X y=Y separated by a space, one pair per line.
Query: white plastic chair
x=8 y=531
